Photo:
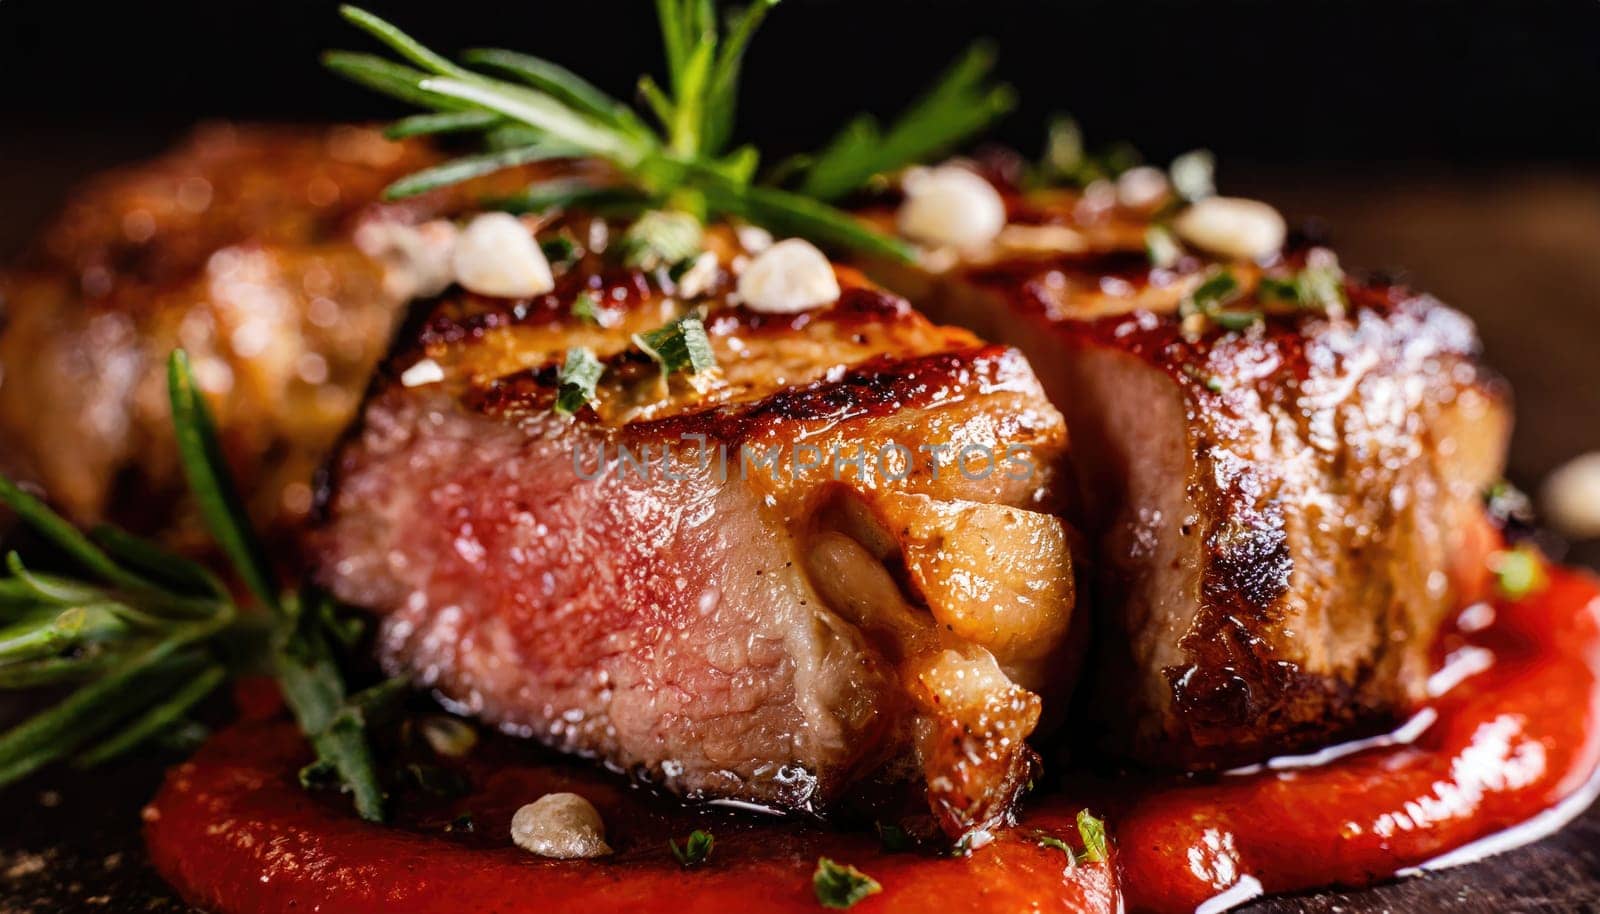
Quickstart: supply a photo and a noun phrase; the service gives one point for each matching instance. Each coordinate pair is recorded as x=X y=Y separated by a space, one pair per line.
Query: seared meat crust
x=1283 y=515
x=260 y=250
x=727 y=629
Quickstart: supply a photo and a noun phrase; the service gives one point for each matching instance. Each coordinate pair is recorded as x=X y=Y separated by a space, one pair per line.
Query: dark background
x=1286 y=81
x=1457 y=144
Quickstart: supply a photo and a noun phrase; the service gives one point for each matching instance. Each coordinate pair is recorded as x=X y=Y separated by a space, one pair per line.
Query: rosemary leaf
x=66 y=537
x=545 y=113
x=442 y=122
x=660 y=105
x=836 y=168
x=387 y=77
x=58 y=731
x=675 y=28
x=957 y=107
x=687 y=170
x=722 y=93
x=48 y=589
x=307 y=674
x=513 y=136
x=54 y=671
x=156 y=720
x=468 y=167
x=314 y=690
x=786 y=213
x=157 y=608
x=45 y=634
x=15 y=593
x=343 y=744
x=401 y=43
x=204 y=466
x=562 y=84
x=685 y=131
x=740 y=165
x=157 y=564
x=567 y=192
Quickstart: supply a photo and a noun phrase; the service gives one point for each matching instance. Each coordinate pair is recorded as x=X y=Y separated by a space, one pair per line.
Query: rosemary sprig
x=148 y=635
x=530 y=109
x=959 y=106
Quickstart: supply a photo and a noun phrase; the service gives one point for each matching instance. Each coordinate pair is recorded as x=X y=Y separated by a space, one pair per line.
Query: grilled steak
x=263 y=251
x=1280 y=510
x=770 y=583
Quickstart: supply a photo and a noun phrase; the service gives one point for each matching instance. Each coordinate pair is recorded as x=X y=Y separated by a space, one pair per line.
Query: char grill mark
x=726 y=636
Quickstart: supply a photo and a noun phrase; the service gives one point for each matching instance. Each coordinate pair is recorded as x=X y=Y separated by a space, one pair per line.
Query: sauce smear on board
x=1512 y=733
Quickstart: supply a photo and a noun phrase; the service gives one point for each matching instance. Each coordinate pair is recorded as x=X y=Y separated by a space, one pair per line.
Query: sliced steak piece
x=761 y=583
x=263 y=251
x=1280 y=511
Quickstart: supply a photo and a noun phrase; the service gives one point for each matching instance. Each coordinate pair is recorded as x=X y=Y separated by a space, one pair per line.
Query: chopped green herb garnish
x=1279 y=289
x=1319 y=288
x=1235 y=319
x=1210 y=299
x=841 y=886
x=586 y=308
x=528 y=109
x=1162 y=247
x=679 y=346
x=1054 y=843
x=694 y=850
x=1093 y=832
x=580 y=374
x=1065 y=155
x=661 y=239
x=1067 y=161
x=561 y=250
x=893 y=838
x=1519 y=573
x=1193 y=175
x=1216 y=290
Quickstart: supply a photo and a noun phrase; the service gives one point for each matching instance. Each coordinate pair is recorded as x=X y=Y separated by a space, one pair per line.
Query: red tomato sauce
x=1511 y=735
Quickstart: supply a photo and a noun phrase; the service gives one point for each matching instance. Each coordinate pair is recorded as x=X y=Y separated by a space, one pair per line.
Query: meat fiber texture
x=773 y=583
